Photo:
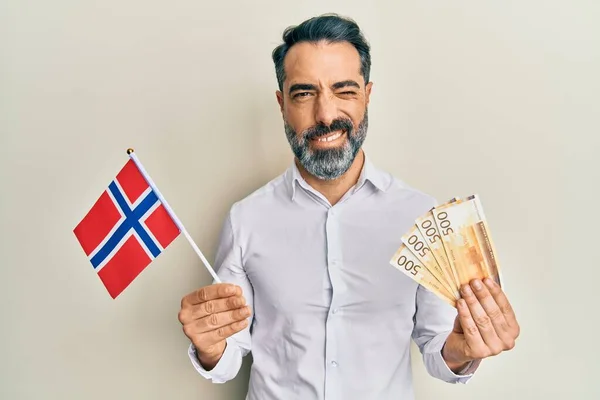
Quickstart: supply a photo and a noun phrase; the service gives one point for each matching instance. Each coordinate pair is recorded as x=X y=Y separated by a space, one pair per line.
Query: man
x=309 y=289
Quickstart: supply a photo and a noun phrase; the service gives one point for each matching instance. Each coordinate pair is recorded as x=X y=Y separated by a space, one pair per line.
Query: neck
x=335 y=189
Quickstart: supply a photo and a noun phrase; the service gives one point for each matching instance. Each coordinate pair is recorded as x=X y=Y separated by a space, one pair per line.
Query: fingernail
x=230 y=290
x=461 y=302
x=467 y=290
x=489 y=282
x=477 y=284
x=246 y=311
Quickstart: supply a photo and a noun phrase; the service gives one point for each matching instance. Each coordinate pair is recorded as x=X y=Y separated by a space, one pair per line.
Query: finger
x=211 y=292
x=216 y=306
x=483 y=323
x=474 y=343
x=215 y=321
x=213 y=337
x=504 y=306
x=493 y=311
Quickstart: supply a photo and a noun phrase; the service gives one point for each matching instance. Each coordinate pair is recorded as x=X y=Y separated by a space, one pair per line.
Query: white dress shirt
x=332 y=319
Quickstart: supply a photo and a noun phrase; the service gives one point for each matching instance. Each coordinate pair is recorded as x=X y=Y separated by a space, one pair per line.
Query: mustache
x=339 y=124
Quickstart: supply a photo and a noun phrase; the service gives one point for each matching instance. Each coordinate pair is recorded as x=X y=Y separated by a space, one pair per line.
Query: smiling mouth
x=329 y=138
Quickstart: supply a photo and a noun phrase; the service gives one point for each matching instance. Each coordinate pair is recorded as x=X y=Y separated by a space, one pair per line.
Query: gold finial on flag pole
x=129 y=150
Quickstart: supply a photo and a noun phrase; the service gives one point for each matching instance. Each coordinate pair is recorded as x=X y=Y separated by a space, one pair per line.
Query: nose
x=325 y=109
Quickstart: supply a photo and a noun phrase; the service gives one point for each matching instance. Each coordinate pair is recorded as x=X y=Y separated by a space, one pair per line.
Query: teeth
x=330 y=138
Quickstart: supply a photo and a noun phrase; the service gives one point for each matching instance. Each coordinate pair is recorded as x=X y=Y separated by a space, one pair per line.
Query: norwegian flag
x=125 y=230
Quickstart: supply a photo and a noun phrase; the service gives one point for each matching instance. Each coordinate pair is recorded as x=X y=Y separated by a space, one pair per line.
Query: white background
x=498 y=98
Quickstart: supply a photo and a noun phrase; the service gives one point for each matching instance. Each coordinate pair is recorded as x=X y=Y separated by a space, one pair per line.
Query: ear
x=279 y=99
x=368 y=91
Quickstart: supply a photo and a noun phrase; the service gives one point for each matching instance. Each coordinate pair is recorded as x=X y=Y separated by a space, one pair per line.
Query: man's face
x=324 y=106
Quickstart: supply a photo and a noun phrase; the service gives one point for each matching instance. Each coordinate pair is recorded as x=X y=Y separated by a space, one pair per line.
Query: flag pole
x=137 y=162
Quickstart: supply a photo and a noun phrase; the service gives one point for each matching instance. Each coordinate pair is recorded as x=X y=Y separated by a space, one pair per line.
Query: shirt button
x=334 y=364
x=335 y=310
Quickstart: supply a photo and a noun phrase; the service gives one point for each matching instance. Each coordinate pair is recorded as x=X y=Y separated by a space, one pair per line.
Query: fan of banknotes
x=448 y=247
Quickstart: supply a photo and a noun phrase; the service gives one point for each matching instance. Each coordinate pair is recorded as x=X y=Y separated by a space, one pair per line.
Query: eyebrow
x=339 y=85
x=302 y=86
x=308 y=86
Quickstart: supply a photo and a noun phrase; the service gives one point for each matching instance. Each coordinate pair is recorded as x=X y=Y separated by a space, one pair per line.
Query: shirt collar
x=369 y=173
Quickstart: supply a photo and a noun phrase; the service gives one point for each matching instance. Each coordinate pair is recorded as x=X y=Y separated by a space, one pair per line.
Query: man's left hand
x=486 y=325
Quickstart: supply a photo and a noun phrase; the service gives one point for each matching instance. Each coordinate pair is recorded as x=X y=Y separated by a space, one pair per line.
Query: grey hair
x=329 y=28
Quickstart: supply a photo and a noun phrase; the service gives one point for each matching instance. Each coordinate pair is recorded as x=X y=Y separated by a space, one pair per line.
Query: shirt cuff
x=219 y=373
x=444 y=372
x=470 y=368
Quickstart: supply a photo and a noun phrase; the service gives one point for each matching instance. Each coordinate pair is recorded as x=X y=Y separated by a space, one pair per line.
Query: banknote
x=429 y=229
x=417 y=244
x=467 y=240
x=447 y=247
x=405 y=261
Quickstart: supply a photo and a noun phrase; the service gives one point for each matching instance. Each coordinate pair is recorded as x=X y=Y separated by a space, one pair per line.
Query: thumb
x=457 y=326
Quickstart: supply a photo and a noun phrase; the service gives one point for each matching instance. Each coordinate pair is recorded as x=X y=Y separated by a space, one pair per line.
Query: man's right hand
x=210 y=315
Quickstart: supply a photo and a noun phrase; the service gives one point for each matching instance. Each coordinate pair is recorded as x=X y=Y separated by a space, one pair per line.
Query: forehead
x=322 y=62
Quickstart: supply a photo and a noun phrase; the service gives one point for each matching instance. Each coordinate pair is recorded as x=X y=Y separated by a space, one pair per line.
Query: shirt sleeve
x=228 y=263
x=434 y=320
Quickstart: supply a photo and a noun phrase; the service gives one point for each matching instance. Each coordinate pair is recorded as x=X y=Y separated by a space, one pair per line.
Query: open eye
x=301 y=94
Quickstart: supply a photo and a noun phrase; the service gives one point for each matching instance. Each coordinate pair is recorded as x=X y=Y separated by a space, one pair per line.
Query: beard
x=328 y=164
